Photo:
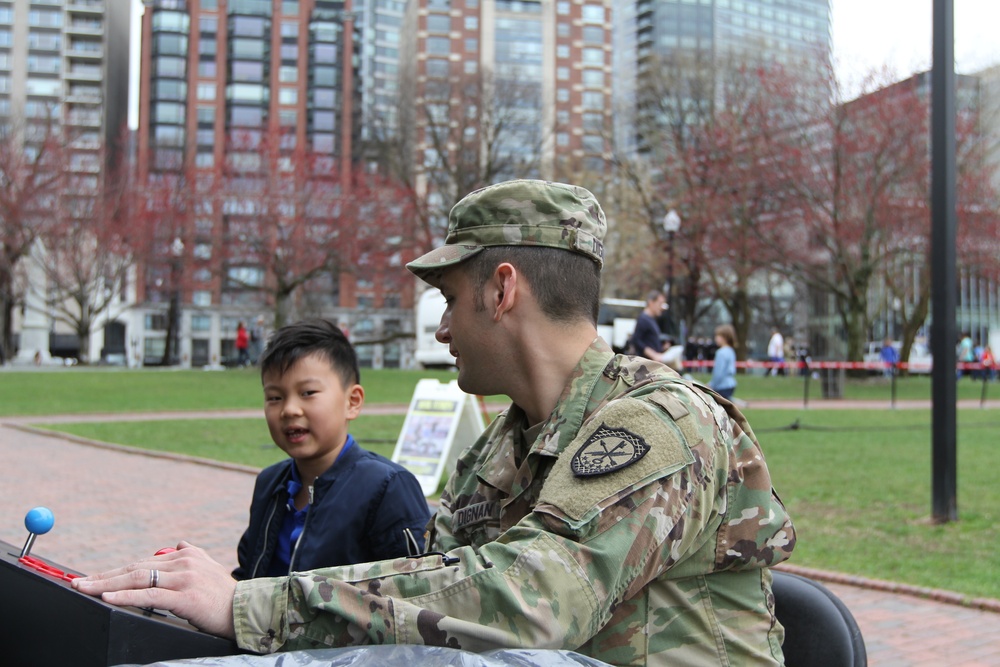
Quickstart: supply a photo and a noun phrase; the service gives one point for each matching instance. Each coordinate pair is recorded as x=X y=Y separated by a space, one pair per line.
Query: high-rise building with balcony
x=245 y=105
x=495 y=89
x=64 y=76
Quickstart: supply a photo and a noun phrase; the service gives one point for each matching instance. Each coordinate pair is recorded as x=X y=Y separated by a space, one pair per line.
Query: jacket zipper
x=267 y=530
x=305 y=524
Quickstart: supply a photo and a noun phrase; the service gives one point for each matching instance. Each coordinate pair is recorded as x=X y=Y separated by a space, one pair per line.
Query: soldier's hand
x=187 y=582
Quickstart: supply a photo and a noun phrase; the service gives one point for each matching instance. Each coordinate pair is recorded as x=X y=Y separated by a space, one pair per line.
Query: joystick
x=38 y=521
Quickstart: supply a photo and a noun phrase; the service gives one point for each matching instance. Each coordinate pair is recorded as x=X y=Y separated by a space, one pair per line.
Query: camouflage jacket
x=637 y=528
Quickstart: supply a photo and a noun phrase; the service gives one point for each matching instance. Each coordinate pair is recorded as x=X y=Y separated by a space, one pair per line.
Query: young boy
x=332 y=502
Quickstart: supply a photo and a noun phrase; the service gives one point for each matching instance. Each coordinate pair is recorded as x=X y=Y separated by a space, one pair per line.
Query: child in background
x=332 y=502
x=724 y=371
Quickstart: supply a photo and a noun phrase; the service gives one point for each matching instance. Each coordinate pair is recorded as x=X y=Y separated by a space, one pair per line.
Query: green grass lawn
x=82 y=390
x=857 y=482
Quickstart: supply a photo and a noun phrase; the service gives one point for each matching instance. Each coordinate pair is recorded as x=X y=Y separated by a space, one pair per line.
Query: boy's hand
x=187 y=582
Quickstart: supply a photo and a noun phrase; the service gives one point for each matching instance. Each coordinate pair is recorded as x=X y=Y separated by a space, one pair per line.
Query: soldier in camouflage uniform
x=614 y=509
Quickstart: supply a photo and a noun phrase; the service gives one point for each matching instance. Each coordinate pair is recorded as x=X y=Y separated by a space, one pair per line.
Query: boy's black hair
x=311 y=336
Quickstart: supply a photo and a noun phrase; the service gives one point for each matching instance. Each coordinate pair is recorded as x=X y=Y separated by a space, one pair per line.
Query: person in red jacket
x=242 y=345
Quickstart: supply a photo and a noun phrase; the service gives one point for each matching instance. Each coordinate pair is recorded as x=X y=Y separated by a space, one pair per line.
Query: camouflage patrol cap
x=519 y=213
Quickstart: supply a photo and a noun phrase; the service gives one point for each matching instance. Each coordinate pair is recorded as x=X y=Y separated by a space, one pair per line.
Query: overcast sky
x=866 y=35
x=870 y=33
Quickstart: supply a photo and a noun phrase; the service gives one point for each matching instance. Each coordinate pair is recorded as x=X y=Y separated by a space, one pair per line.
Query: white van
x=430 y=353
x=616 y=321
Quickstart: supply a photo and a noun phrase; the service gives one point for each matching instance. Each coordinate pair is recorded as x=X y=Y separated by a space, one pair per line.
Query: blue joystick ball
x=39 y=520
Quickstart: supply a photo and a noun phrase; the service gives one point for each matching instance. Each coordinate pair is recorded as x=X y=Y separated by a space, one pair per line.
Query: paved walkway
x=112 y=505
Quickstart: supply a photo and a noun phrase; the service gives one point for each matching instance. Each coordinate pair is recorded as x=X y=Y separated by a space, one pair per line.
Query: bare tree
x=31 y=174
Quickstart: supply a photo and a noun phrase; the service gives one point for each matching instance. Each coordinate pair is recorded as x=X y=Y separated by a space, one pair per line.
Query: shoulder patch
x=607 y=450
x=626 y=425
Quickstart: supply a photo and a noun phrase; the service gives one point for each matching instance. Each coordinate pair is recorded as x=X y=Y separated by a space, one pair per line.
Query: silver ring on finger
x=154 y=578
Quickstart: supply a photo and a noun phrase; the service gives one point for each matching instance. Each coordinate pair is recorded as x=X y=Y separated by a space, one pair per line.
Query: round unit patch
x=607 y=450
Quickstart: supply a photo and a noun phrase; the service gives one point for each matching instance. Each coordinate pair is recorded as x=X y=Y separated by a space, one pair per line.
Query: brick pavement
x=113 y=505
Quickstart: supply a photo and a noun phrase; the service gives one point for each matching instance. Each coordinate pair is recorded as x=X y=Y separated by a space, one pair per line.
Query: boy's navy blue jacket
x=359 y=509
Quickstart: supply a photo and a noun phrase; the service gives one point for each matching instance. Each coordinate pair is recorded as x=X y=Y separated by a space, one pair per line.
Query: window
x=593 y=34
x=323 y=120
x=471 y=66
x=324 y=76
x=562 y=73
x=438 y=23
x=204 y=160
x=44 y=64
x=45 y=19
x=436 y=67
x=592 y=56
x=288 y=117
x=246 y=92
x=593 y=78
x=201 y=297
x=324 y=98
x=47 y=87
x=246 y=116
x=206 y=68
x=593 y=100
x=289 y=28
x=247 y=26
x=562 y=51
x=206 y=47
x=471 y=45
x=206 y=115
x=562 y=138
x=323 y=143
x=288 y=96
x=201 y=323
x=247 y=48
x=169 y=135
x=438 y=46
x=289 y=52
x=170 y=89
x=203 y=251
x=168 y=44
x=45 y=41
x=245 y=70
x=206 y=91
x=325 y=53
x=288 y=74
x=593 y=14
x=208 y=24
x=471 y=22
x=168 y=112
x=562 y=95
x=170 y=66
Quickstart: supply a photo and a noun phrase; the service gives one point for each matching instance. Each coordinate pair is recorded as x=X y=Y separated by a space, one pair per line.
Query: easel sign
x=439 y=415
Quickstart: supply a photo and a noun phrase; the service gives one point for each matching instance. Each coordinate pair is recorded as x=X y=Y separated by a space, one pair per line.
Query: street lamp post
x=671 y=224
x=173 y=333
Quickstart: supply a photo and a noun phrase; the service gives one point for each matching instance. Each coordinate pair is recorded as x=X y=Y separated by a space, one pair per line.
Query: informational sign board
x=442 y=420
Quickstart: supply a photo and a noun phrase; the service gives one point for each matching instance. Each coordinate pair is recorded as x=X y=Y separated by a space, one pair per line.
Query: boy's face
x=308 y=410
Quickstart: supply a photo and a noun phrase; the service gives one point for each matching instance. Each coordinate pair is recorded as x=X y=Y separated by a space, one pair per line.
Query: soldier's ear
x=505 y=290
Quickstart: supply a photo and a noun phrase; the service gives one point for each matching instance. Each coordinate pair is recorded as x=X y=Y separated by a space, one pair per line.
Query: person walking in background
x=890 y=357
x=242 y=345
x=724 y=370
x=966 y=353
x=776 y=352
x=647 y=337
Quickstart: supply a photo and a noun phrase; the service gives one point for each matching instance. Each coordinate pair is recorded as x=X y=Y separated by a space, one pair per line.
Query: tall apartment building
x=226 y=86
x=501 y=88
x=64 y=69
x=796 y=33
x=379 y=23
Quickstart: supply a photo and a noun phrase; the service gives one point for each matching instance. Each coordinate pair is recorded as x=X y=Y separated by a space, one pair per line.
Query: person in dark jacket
x=332 y=502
